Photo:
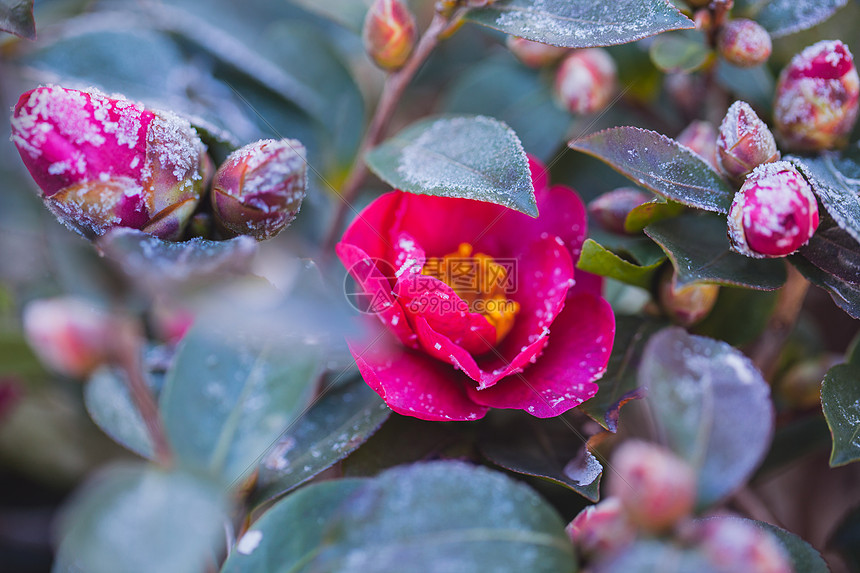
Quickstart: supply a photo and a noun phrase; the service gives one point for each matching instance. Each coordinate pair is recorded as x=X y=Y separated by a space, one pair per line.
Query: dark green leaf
x=803 y=556
x=551 y=449
x=619 y=383
x=516 y=95
x=699 y=249
x=581 y=23
x=16 y=17
x=680 y=52
x=846 y=539
x=651 y=212
x=635 y=248
x=783 y=17
x=109 y=404
x=753 y=85
x=792 y=441
x=845 y=295
x=231 y=391
x=134 y=518
x=651 y=556
x=711 y=406
x=660 y=164
x=340 y=421
x=739 y=316
x=428 y=518
x=840 y=400
x=834 y=251
x=836 y=181
x=471 y=157
x=598 y=260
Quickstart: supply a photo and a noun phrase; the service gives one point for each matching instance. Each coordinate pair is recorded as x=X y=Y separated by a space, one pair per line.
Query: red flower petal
x=414 y=384
x=564 y=376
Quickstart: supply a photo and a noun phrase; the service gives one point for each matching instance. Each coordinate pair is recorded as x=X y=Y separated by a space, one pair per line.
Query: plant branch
x=395 y=84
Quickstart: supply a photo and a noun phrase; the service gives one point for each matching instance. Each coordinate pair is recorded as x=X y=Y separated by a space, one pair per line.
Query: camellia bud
x=701 y=138
x=586 y=81
x=744 y=43
x=744 y=142
x=68 y=334
x=688 y=304
x=601 y=528
x=259 y=189
x=105 y=162
x=534 y=54
x=817 y=97
x=610 y=209
x=655 y=487
x=732 y=544
x=389 y=33
x=774 y=214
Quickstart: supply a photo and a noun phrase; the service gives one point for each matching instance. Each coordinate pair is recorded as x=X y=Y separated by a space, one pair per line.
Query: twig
x=393 y=89
x=749 y=503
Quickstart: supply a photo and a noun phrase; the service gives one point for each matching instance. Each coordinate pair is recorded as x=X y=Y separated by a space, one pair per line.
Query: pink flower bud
x=744 y=142
x=601 y=528
x=774 y=214
x=688 y=304
x=610 y=210
x=259 y=189
x=732 y=545
x=586 y=81
x=817 y=97
x=534 y=54
x=701 y=138
x=68 y=334
x=744 y=43
x=105 y=162
x=389 y=33
x=656 y=488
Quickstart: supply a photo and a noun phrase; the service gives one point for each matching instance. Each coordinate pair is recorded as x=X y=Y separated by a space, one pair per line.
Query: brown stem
x=752 y=505
x=769 y=345
x=393 y=89
x=127 y=355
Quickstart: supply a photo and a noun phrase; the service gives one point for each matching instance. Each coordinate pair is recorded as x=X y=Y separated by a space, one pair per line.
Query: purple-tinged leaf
x=846 y=295
x=834 y=251
x=784 y=17
x=836 y=182
x=16 y=17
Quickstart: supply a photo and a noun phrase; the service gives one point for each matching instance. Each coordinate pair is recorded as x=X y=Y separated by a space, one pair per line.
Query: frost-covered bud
x=744 y=142
x=105 y=162
x=817 y=97
x=686 y=305
x=586 y=81
x=389 y=33
x=655 y=487
x=744 y=43
x=774 y=214
x=732 y=544
x=69 y=335
x=701 y=138
x=601 y=528
x=610 y=210
x=259 y=189
x=534 y=54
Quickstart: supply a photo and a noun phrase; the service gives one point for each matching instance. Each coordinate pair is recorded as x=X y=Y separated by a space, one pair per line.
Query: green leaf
x=711 y=406
x=16 y=356
x=134 y=518
x=643 y=215
x=340 y=421
x=834 y=251
x=699 y=248
x=753 y=85
x=638 y=249
x=660 y=164
x=581 y=23
x=840 y=400
x=471 y=157
x=739 y=316
x=845 y=295
x=652 y=555
x=803 y=556
x=519 y=96
x=111 y=407
x=783 y=17
x=16 y=17
x=550 y=449
x=680 y=52
x=430 y=518
x=619 y=384
x=598 y=260
x=836 y=181
x=231 y=391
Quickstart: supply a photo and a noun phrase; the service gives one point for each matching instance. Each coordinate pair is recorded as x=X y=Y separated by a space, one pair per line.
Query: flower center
x=482 y=282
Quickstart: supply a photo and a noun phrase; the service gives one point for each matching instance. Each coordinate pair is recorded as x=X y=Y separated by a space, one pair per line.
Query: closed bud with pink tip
x=744 y=43
x=586 y=81
x=744 y=142
x=389 y=33
x=534 y=54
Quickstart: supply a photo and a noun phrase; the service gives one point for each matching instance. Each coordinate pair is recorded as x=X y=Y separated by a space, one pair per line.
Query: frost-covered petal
x=564 y=375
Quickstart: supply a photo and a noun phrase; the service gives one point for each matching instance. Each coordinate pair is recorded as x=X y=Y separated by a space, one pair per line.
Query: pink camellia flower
x=817 y=97
x=480 y=304
x=105 y=162
x=774 y=214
